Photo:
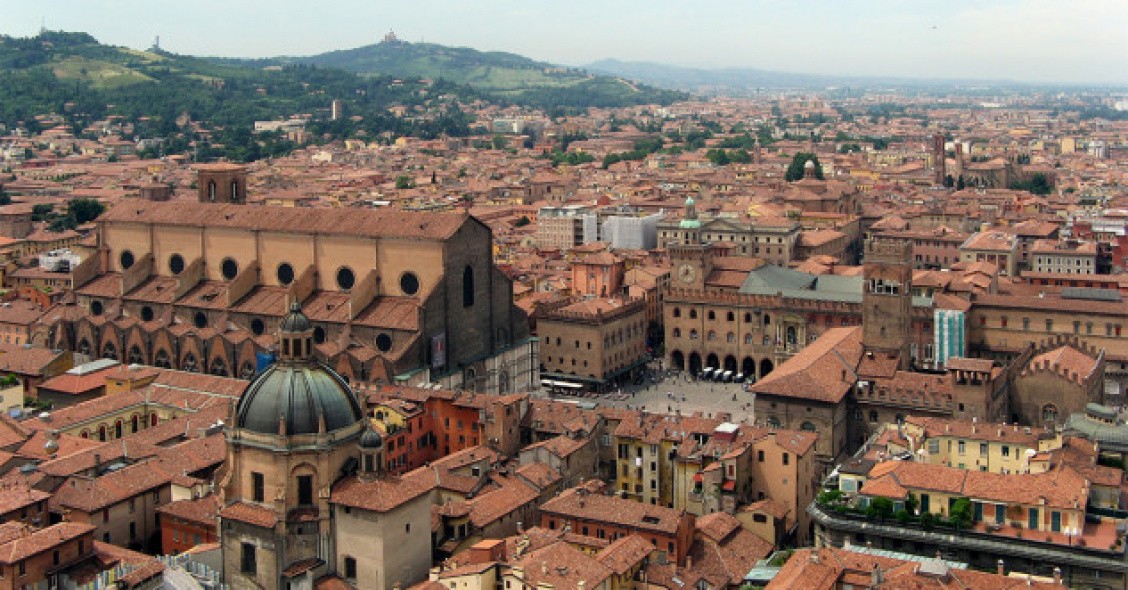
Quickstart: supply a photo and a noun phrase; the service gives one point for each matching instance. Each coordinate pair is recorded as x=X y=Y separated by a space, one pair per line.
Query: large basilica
x=392 y=296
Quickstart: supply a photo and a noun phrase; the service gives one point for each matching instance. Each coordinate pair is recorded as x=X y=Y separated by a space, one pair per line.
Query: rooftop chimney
x=1057 y=575
x=999 y=569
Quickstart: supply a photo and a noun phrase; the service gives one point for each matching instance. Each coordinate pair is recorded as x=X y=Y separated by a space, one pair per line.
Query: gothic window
x=161 y=360
x=468 y=286
x=135 y=356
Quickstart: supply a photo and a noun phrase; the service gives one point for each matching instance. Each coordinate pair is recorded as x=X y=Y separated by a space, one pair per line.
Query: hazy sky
x=1082 y=41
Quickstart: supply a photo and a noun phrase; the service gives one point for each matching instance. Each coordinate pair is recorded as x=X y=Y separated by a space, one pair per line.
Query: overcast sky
x=1074 y=41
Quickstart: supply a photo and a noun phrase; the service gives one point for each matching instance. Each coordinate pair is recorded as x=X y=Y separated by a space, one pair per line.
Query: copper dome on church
x=297 y=394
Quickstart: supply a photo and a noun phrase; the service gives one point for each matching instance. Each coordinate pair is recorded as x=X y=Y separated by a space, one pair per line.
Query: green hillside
x=500 y=74
x=73 y=76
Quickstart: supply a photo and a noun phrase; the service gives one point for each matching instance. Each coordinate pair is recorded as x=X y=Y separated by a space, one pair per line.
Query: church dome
x=298 y=395
x=370 y=439
x=295 y=321
x=297 y=391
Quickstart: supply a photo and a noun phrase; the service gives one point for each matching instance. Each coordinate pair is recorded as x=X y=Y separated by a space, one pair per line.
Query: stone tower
x=222 y=182
x=939 y=162
x=887 y=299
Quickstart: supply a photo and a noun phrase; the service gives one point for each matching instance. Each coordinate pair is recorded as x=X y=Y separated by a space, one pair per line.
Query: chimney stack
x=1057 y=575
x=999 y=569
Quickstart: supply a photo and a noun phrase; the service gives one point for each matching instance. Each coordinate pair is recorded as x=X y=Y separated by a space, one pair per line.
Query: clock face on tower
x=686 y=273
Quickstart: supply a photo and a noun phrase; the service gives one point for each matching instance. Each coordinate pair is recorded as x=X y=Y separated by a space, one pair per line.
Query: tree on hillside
x=795 y=169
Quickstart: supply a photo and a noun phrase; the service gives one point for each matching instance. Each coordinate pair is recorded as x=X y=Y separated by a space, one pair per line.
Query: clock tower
x=692 y=260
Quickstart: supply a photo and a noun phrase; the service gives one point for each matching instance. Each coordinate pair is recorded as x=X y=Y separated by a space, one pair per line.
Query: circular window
x=257 y=327
x=345 y=278
x=201 y=319
x=96 y=307
x=229 y=268
x=384 y=342
x=285 y=273
x=146 y=314
x=126 y=259
x=176 y=264
x=409 y=283
x=319 y=334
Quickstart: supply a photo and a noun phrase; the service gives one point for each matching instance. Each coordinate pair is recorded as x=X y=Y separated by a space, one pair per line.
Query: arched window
x=693 y=314
x=730 y=316
x=731 y=337
x=135 y=357
x=677 y=312
x=102 y=432
x=693 y=334
x=468 y=286
x=1049 y=413
x=677 y=332
x=748 y=339
x=712 y=335
x=133 y=423
x=161 y=359
x=211 y=190
x=109 y=351
x=234 y=190
x=873 y=416
x=808 y=426
x=774 y=422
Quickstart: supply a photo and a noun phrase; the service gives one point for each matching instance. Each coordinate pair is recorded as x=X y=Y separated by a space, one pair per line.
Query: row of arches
x=119 y=428
x=162 y=358
x=695 y=363
x=217 y=355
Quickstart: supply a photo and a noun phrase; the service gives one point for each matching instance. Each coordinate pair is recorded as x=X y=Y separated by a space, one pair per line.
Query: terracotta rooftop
x=372 y=223
x=581 y=505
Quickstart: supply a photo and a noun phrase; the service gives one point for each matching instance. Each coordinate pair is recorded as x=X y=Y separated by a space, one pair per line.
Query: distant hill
x=738 y=80
x=696 y=78
x=76 y=77
x=499 y=74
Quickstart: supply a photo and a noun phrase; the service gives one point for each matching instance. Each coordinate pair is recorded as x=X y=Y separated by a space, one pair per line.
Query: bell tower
x=887 y=310
x=221 y=182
